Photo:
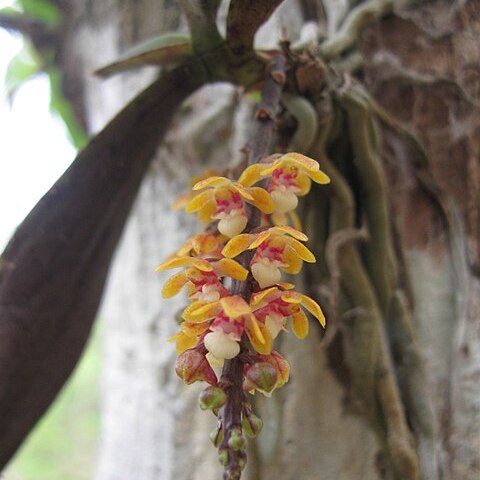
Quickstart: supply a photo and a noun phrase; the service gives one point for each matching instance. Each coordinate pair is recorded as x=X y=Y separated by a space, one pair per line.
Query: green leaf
x=61 y=107
x=41 y=10
x=168 y=49
x=21 y=68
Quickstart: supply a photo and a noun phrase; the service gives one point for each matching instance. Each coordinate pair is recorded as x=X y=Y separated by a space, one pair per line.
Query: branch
x=202 y=20
x=245 y=17
x=53 y=272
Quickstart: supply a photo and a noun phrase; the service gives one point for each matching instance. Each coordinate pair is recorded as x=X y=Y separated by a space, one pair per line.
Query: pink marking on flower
x=284 y=178
x=231 y=201
x=269 y=251
x=232 y=328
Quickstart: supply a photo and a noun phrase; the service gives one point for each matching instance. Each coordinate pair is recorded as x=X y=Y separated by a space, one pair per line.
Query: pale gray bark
x=152 y=428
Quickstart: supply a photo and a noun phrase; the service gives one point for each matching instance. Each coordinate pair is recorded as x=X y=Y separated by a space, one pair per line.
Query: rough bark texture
x=152 y=428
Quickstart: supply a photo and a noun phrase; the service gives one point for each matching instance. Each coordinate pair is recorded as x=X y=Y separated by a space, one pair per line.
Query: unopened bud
x=211 y=398
x=192 y=366
x=223 y=456
x=216 y=436
x=242 y=460
x=237 y=441
x=262 y=376
x=252 y=425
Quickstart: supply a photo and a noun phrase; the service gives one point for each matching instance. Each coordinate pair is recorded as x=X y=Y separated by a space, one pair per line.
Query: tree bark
x=420 y=67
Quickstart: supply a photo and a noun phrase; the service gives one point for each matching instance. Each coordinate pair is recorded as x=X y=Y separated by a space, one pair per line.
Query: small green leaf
x=168 y=49
x=42 y=10
x=61 y=107
x=21 y=68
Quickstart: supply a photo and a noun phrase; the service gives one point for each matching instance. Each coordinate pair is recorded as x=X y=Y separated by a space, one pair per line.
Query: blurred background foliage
x=38 y=20
x=63 y=444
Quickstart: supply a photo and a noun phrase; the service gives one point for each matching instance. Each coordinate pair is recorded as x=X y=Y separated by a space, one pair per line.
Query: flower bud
x=211 y=398
x=262 y=376
x=252 y=425
x=191 y=366
x=237 y=441
x=216 y=436
x=223 y=456
x=285 y=201
x=266 y=274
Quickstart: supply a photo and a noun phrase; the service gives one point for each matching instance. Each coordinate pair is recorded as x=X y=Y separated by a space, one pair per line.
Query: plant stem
x=258 y=147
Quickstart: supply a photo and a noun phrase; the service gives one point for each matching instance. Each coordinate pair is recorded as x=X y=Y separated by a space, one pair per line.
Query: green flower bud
x=223 y=457
x=252 y=425
x=216 y=436
x=237 y=441
x=212 y=398
x=262 y=376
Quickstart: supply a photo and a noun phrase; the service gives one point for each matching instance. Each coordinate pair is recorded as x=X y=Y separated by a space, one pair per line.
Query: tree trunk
x=421 y=66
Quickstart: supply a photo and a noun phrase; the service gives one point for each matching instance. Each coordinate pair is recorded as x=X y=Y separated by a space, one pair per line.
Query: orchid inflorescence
x=238 y=301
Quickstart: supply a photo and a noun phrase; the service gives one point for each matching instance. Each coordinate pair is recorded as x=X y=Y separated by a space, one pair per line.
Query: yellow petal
x=176 y=262
x=303 y=252
x=194 y=329
x=300 y=160
x=319 y=177
x=204 y=312
x=188 y=316
x=260 y=238
x=235 y=306
x=198 y=201
x=204 y=243
x=184 y=342
x=254 y=326
x=314 y=308
x=293 y=261
x=230 y=268
x=291 y=297
x=211 y=182
x=251 y=175
x=262 y=199
x=303 y=183
x=206 y=211
x=237 y=245
x=174 y=284
x=263 y=348
x=286 y=285
x=300 y=324
x=291 y=231
x=259 y=297
x=243 y=191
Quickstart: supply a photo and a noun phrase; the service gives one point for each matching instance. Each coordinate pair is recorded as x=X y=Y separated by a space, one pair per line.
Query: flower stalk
x=232 y=273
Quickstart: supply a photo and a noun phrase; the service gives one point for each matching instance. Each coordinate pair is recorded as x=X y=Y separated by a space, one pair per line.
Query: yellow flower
x=291 y=176
x=224 y=200
x=277 y=248
x=201 y=276
x=281 y=303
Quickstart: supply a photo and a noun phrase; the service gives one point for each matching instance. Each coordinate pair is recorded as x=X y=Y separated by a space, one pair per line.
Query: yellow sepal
x=300 y=324
x=226 y=267
x=237 y=245
x=174 y=284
